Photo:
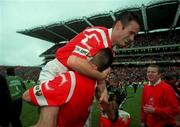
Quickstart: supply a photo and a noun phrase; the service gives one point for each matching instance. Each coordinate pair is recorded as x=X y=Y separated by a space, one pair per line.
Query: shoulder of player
x=166 y=86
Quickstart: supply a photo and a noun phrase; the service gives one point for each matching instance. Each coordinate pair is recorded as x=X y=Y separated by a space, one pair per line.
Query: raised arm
x=84 y=67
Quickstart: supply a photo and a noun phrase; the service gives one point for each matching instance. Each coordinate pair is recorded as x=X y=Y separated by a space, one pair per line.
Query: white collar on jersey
x=154 y=84
x=110 y=32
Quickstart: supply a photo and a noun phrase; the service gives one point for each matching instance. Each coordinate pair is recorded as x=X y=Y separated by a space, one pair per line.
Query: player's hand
x=149 y=109
x=104 y=96
x=105 y=73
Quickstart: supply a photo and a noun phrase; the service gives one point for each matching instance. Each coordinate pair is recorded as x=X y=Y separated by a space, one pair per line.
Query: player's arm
x=92 y=40
x=83 y=66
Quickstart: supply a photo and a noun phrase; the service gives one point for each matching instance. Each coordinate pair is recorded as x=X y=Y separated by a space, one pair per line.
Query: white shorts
x=52 y=69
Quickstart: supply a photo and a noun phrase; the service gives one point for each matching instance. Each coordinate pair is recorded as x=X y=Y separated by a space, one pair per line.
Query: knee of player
x=26 y=96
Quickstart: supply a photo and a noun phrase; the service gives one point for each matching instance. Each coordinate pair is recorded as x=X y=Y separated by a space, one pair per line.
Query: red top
x=71 y=91
x=87 y=43
x=164 y=100
x=76 y=111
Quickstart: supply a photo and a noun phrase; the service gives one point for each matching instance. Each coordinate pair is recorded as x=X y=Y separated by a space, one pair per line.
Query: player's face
x=153 y=74
x=125 y=35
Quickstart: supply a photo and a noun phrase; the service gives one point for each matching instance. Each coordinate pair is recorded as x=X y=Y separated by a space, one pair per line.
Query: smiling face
x=153 y=74
x=123 y=36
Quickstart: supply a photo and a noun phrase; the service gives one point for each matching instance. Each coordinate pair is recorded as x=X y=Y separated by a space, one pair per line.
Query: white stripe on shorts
x=73 y=84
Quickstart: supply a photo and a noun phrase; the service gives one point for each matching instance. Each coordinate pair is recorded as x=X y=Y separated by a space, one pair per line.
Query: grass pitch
x=30 y=115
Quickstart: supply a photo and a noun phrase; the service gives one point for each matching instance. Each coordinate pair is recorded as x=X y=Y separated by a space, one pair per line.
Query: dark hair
x=156 y=66
x=126 y=17
x=103 y=59
x=10 y=71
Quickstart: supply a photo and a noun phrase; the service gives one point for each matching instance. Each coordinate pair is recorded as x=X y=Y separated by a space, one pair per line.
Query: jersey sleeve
x=92 y=40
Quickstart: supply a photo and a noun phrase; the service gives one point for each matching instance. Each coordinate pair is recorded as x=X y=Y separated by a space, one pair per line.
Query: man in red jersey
x=159 y=103
x=72 y=91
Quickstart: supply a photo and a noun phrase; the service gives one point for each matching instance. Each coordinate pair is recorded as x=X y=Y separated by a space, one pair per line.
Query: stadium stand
x=157 y=42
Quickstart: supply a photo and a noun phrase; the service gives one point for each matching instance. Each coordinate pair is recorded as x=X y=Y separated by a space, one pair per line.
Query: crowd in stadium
x=128 y=75
x=157 y=39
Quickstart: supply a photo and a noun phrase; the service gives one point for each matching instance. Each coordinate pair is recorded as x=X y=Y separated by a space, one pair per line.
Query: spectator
x=16 y=88
x=171 y=79
x=135 y=86
x=5 y=98
x=159 y=103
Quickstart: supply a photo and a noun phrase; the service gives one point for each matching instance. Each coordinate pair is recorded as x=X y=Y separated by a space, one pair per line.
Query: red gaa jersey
x=86 y=44
x=72 y=92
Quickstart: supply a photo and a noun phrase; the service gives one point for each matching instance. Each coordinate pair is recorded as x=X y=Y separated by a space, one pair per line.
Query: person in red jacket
x=159 y=103
x=171 y=79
